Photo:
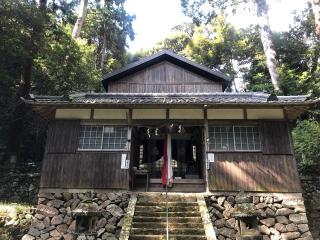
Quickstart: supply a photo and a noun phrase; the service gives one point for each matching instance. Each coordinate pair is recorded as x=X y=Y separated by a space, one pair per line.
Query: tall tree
x=80 y=18
x=108 y=26
x=267 y=42
x=316 y=12
x=16 y=124
x=262 y=15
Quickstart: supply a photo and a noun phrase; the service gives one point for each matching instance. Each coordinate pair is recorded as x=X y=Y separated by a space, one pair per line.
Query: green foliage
x=65 y=65
x=61 y=65
x=16 y=24
x=306 y=143
x=108 y=27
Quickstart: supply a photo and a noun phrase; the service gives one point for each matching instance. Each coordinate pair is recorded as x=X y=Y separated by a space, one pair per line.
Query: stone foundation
x=278 y=216
x=56 y=216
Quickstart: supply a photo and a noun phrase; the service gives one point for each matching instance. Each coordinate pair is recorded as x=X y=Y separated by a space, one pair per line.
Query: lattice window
x=234 y=138
x=103 y=137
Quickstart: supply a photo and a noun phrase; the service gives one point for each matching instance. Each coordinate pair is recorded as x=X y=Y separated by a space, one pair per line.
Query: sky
x=155 y=18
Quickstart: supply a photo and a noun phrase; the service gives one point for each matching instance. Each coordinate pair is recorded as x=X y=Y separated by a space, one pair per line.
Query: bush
x=306 y=138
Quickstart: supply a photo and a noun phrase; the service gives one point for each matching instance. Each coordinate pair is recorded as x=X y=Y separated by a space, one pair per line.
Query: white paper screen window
x=234 y=138
x=103 y=137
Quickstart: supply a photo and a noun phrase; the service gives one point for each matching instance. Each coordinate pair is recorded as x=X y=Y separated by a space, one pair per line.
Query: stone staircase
x=149 y=220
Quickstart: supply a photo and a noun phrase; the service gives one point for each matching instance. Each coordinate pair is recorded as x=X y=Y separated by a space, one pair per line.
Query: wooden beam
x=245 y=114
x=91 y=113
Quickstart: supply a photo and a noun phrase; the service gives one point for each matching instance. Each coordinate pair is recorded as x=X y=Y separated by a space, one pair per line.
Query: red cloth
x=165 y=159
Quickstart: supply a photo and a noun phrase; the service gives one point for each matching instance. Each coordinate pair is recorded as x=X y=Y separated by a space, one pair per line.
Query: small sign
x=211 y=157
x=124 y=161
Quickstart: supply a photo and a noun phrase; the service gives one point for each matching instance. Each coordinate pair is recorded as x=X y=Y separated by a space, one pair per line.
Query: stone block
x=227 y=232
x=114 y=210
x=261 y=205
x=298 y=218
x=56 y=220
x=269 y=222
x=220 y=223
x=62 y=228
x=220 y=200
x=218 y=207
x=284 y=212
x=303 y=228
x=280 y=227
x=264 y=229
x=28 y=237
x=282 y=219
x=290 y=235
x=292 y=227
x=56 y=203
x=47 y=211
x=34 y=232
x=270 y=213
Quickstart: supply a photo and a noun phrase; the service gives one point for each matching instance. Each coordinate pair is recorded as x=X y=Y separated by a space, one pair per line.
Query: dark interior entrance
x=187 y=152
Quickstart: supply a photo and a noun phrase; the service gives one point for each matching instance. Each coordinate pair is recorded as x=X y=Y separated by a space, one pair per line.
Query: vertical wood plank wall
x=164 y=77
x=65 y=167
x=271 y=170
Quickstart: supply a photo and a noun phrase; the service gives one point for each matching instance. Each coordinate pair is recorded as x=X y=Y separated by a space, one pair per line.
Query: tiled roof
x=171 y=98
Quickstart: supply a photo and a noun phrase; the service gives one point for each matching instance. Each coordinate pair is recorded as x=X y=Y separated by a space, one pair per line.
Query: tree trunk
x=103 y=52
x=16 y=124
x=80 y=19
x=316 y=12
x=267 y=42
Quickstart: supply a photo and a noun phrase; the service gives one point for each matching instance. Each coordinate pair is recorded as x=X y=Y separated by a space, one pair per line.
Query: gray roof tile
x=171 y=98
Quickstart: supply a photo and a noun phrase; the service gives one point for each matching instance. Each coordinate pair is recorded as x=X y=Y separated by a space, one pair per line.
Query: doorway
x=187 y=154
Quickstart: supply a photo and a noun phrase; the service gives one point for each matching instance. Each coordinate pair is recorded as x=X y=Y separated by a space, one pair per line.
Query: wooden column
x=206 y=148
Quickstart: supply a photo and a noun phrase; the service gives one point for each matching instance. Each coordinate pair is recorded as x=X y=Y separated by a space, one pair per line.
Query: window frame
x=234 y=139
x=126 y=149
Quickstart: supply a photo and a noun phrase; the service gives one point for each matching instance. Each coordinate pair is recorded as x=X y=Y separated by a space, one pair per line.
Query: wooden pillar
x=206 y=149
x=129 y=121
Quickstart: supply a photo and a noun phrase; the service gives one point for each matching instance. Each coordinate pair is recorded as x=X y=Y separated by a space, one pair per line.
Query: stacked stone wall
x=55 y=216
x=278 y=217
x=311 y=193
x=19 y=183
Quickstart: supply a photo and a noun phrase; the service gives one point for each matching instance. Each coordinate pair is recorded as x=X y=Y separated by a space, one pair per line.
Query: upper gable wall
x=164 y=77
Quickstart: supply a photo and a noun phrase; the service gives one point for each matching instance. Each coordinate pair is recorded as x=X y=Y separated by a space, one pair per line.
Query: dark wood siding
x=164 y=77
x=275 y=137
x=63 y=136
x=65 y=167
x=253 y=172
x=97 y=170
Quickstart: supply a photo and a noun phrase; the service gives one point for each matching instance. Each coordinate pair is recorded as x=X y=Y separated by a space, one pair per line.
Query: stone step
x=170 y=214
x=175 y=231
x=170 y=219
x=171 y=198
x=144 y=203
x=163 y=208
x=164 y=225
x=171 y=237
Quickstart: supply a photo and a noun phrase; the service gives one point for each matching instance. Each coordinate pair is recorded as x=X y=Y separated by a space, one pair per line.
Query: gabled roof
x=166 y=55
